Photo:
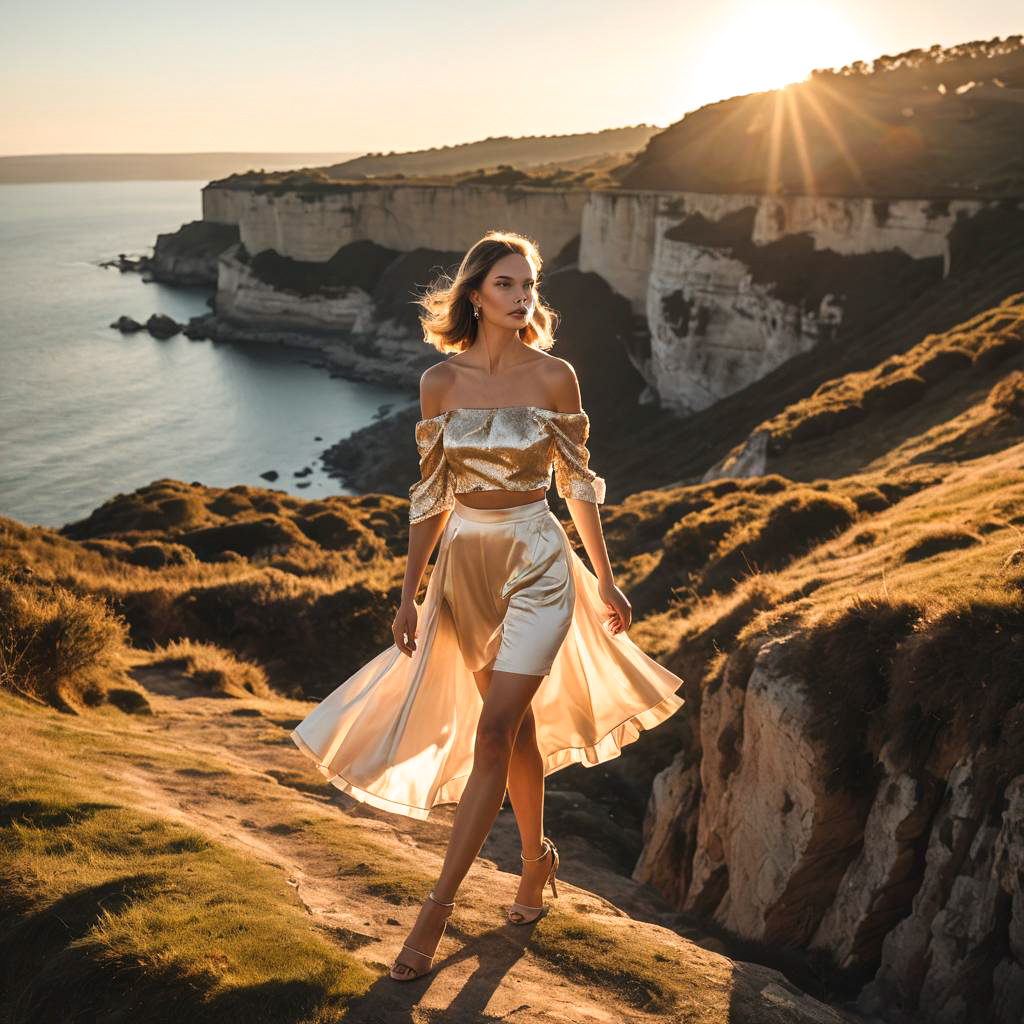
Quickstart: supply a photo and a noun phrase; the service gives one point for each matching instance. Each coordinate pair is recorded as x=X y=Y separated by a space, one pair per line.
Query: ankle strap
x=431 y=896
x=546 y=843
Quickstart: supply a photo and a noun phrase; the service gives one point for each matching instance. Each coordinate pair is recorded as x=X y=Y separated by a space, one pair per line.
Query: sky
x=115 y=76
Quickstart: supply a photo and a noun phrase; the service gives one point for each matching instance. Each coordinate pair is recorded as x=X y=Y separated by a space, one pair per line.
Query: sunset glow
x=763 y=46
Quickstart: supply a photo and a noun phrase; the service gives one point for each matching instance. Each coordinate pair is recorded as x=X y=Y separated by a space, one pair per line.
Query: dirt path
x=250 y=784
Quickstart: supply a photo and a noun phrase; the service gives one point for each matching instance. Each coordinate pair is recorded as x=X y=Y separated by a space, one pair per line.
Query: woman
x=518 y=662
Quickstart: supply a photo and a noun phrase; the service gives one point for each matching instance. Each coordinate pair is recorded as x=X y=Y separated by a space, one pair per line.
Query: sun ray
x=837 y=140
x=774 y=145
x=759 y=47
x=796 y=127
x=862 y=115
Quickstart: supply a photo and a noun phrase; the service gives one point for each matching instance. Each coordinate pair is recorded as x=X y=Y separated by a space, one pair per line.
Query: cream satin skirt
x=507 y=591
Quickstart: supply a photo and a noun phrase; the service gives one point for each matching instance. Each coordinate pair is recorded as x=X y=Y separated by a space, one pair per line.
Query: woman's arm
x=431 y=491
x=587 y=518
x=423 y=536
x=583 y=492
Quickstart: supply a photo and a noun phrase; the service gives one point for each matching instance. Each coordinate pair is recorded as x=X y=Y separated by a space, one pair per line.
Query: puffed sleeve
x=433 y=492
x=573 y=477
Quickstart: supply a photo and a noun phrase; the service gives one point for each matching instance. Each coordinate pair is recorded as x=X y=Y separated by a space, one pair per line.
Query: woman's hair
x=448 y=321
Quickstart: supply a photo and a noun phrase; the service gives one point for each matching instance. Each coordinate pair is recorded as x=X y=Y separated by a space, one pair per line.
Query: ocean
x=87 y=413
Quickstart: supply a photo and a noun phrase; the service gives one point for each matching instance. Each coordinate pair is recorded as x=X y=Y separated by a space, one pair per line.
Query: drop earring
x=476 y=312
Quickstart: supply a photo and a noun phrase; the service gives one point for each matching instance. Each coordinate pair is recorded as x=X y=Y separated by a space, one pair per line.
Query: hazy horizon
x=341 y=77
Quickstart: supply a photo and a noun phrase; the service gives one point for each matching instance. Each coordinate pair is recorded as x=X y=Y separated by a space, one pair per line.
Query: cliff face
x=729 y=286
x=313 y=226
x=913 y=886
x=732 y=285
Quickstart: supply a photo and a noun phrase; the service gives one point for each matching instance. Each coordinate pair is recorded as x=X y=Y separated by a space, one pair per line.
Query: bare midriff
x=500 y=499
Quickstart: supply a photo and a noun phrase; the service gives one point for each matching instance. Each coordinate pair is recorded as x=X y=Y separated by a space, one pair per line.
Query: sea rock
x=162 y=326
x=127 y=325
x=189 y=255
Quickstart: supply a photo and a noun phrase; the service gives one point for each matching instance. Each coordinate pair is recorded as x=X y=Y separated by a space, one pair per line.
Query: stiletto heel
x=413 y=973
x=521 y=910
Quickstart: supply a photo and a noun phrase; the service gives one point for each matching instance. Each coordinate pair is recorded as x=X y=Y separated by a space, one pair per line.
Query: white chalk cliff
x=697 y=266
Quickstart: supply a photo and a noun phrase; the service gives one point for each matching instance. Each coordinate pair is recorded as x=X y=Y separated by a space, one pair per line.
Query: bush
x=56 y=647
x=792 y=526
x=936 y=541
x=893 y=394
x=220 y=673
x=1008 y=395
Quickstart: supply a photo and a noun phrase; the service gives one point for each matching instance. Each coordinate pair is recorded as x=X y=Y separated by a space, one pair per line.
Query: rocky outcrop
x=962 y=945
x=190 y=254
x=771 y=840
x=734 y=285
x=914 y=888
x=243 y=298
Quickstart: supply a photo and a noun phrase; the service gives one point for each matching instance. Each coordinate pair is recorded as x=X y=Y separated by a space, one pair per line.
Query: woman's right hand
x=404 y=627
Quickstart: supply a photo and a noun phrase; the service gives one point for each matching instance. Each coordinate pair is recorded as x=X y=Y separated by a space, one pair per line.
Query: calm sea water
x=86 y=413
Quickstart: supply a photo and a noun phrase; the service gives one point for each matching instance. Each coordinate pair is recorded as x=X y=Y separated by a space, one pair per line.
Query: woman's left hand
x=618 y=603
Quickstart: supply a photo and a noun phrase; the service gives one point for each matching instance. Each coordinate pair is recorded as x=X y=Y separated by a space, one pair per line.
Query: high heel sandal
x=412 y=973
x=521 y=910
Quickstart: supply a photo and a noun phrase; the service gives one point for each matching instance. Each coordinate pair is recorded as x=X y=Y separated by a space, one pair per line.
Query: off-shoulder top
x=506 y=448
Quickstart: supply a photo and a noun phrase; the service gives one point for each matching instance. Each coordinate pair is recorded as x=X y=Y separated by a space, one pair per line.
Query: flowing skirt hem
x=605 y=749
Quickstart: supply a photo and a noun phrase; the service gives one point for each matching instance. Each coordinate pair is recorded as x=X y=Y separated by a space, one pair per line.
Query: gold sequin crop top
x=507 y=448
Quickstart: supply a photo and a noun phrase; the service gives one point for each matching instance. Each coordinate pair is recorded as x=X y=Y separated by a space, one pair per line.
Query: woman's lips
x=518 y=312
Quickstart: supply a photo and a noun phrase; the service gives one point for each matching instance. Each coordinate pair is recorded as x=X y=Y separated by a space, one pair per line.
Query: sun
x=763 y=46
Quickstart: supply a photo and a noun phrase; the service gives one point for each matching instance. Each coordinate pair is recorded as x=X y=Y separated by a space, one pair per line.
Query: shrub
x=793 y=525
x=1008 y=395
x=938 y=540
x=215 y=670
x=56 y=647
x=893 y=394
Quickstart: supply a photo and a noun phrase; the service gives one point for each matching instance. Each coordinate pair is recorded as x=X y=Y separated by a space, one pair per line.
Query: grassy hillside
x=937 y=122
x=530 y=152
x=646 y=449
x=155 y=654
x=954 y=395
x=586 y=160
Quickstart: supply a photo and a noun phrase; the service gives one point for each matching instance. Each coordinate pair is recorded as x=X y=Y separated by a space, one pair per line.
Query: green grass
x=109 y=911
x=635 y=968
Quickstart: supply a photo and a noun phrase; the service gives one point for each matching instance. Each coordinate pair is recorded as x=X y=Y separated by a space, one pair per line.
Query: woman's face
x=510 y=286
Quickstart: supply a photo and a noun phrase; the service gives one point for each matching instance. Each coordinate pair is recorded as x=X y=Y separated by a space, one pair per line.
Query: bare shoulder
x=562 y=384
x=435 y=382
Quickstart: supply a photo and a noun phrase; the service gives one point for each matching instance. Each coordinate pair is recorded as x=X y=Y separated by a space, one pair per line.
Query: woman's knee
x=493 y=744
x=526 y=737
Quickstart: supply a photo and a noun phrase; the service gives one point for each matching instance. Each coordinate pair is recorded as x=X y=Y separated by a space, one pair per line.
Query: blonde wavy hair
x=448 y=321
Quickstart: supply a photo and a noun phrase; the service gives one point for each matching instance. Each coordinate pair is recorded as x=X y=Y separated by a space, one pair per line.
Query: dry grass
x=906 y=627
x=953 y=396
x=305 y=588
x=61 y=648
x=213 y=669
x=983 y=340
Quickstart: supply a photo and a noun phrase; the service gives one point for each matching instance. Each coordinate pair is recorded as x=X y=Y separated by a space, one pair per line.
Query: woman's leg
x=506 y=701
x=526 y=793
